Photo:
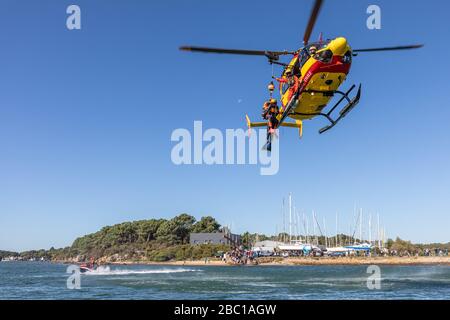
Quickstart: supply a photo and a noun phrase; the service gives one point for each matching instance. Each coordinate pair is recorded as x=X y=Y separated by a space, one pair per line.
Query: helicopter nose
x=339 y=46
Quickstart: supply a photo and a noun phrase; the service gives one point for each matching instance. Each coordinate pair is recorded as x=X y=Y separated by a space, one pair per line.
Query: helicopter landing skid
x=344 y=111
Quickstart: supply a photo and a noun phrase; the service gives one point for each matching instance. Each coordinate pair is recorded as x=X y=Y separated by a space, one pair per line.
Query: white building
x=266 y=246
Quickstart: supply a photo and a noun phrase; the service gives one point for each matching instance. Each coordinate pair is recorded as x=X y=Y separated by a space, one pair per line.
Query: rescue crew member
x=292 y=81
x=265 y=110
x=270 y=113
x=312 y=50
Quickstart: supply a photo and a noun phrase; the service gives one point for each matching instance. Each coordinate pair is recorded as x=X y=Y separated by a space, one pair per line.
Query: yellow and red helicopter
x=310 y=79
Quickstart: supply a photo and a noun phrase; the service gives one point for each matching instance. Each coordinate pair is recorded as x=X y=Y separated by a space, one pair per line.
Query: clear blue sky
x=86 y=117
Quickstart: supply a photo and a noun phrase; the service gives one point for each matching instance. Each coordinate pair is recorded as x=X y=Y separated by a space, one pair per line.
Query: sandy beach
x=309 y=261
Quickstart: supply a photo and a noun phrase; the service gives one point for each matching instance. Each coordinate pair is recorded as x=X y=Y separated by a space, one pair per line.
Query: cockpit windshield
x=310 y=50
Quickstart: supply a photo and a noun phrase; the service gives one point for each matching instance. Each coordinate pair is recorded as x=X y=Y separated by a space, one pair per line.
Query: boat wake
x=106 y=271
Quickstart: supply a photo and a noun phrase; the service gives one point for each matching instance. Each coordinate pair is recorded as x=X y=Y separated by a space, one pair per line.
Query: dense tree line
x=4 y=254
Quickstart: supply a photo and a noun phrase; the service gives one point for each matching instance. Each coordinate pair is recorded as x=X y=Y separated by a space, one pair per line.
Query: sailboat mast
x=295 y=223
x=378 y=230
x=337 y=245
x=360 y=225
x=290 y=217
x=307 y=229
x=314 y=225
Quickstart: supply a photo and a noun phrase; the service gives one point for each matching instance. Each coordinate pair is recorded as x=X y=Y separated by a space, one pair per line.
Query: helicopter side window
x=347 y=57
x=324 y=56
x=296 y=68
x=304 y=57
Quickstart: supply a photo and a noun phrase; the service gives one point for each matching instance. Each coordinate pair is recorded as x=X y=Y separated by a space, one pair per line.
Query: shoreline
x=301 y=261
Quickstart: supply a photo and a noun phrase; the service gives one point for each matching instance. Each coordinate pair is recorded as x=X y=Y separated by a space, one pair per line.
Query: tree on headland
x=183 y=226
x=402 y=245
x=206 y=224
x=5 y=254
x=127 y=232
x=166 y=232
x=246 y=239
x=147 y=229
x=176 y=230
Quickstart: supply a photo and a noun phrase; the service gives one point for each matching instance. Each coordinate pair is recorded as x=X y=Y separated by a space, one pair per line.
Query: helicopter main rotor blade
x=415 y=46
x=269 y=54
x=312 y=21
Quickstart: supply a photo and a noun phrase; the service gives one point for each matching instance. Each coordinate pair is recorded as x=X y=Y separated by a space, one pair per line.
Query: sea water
x=40 y=280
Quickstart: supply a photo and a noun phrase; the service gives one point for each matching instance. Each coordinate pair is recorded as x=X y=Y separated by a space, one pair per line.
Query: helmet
x=312 y=49
x=273 y=101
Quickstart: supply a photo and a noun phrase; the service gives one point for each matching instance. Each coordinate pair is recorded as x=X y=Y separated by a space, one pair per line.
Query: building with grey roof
x=215 y=238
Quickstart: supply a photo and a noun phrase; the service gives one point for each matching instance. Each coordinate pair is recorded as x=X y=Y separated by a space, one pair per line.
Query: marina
x=299 y=239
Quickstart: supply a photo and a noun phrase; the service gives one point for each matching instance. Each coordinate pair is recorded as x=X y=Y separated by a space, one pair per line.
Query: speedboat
x=88 y=267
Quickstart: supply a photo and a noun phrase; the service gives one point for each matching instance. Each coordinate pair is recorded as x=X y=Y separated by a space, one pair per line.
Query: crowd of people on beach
x=239 y=256
x=436 y=252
